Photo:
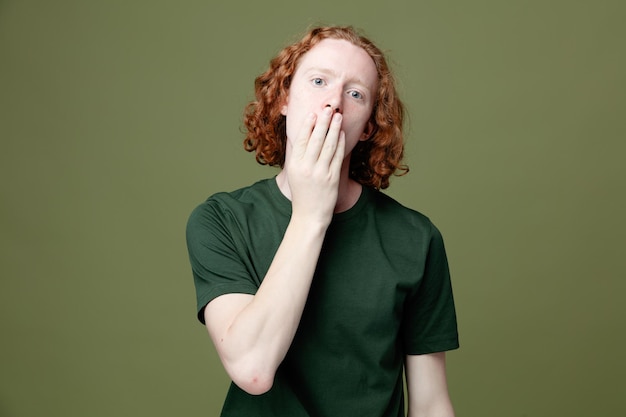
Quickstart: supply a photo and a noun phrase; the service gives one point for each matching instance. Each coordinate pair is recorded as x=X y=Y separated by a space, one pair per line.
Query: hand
x=313 y=166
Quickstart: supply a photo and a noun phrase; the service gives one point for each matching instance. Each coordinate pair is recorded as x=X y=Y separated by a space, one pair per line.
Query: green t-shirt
x=381 y=290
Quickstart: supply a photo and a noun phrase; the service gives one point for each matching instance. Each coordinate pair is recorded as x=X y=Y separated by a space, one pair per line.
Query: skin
x=334 y=77
x=328 y=109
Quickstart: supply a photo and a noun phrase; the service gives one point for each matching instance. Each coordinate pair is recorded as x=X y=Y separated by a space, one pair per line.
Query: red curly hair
x=372 y=161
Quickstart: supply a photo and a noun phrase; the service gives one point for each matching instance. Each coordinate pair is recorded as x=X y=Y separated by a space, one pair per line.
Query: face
x=336 y=73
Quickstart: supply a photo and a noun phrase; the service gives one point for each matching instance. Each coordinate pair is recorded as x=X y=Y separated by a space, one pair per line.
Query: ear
x=283 y=106
x=367 y=132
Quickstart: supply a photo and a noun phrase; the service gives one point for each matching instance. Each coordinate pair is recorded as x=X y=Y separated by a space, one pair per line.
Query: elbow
x=252 y=370
x=254 y=385
x=251 y=380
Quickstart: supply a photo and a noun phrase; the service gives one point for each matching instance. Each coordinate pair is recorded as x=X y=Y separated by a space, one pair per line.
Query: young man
x=317 y=289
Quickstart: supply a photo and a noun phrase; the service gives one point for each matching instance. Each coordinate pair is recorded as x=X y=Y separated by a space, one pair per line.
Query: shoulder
x=396 y=214
x=250 y=210
x=234 y=202
x=244 y=195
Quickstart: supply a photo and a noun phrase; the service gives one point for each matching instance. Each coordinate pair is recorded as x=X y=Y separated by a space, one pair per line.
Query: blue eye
x=356 y=95
x=318 y=81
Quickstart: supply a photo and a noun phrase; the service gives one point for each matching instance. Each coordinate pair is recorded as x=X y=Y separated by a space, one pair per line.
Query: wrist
x=309 y=225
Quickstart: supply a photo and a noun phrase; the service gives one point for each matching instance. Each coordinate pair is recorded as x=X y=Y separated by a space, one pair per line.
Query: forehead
x=342 y=57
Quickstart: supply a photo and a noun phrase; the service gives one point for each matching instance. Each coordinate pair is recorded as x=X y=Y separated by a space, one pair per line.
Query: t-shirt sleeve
x=430 y=324
x=215 y=255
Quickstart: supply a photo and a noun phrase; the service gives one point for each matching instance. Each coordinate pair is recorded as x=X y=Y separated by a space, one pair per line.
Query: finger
x=318 y=136
x=302 y=138
x=332 y=137
x=337 y=161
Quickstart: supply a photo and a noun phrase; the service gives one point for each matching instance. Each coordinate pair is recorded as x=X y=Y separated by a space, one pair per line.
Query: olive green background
x=118 y=117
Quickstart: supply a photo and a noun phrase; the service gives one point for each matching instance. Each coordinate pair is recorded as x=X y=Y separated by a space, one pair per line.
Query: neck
x=348 y=193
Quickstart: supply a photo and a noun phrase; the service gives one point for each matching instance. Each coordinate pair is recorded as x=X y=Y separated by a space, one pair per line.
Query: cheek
x=293 y=122
x=295 y=112
x=356 y=122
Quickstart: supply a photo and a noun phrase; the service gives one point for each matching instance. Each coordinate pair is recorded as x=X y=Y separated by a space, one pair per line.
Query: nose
x=334 y=101
x=335 y=109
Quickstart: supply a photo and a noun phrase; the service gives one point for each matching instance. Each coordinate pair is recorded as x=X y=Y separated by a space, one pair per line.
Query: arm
x=427 y=386
x=253 y=333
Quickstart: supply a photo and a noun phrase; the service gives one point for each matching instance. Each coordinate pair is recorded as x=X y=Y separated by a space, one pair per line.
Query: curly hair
x=372 y=161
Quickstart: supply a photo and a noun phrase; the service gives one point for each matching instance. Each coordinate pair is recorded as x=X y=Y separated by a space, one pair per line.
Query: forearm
x=253 y=334
x=254 y=344
x=442 y=409
x=427 y=386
